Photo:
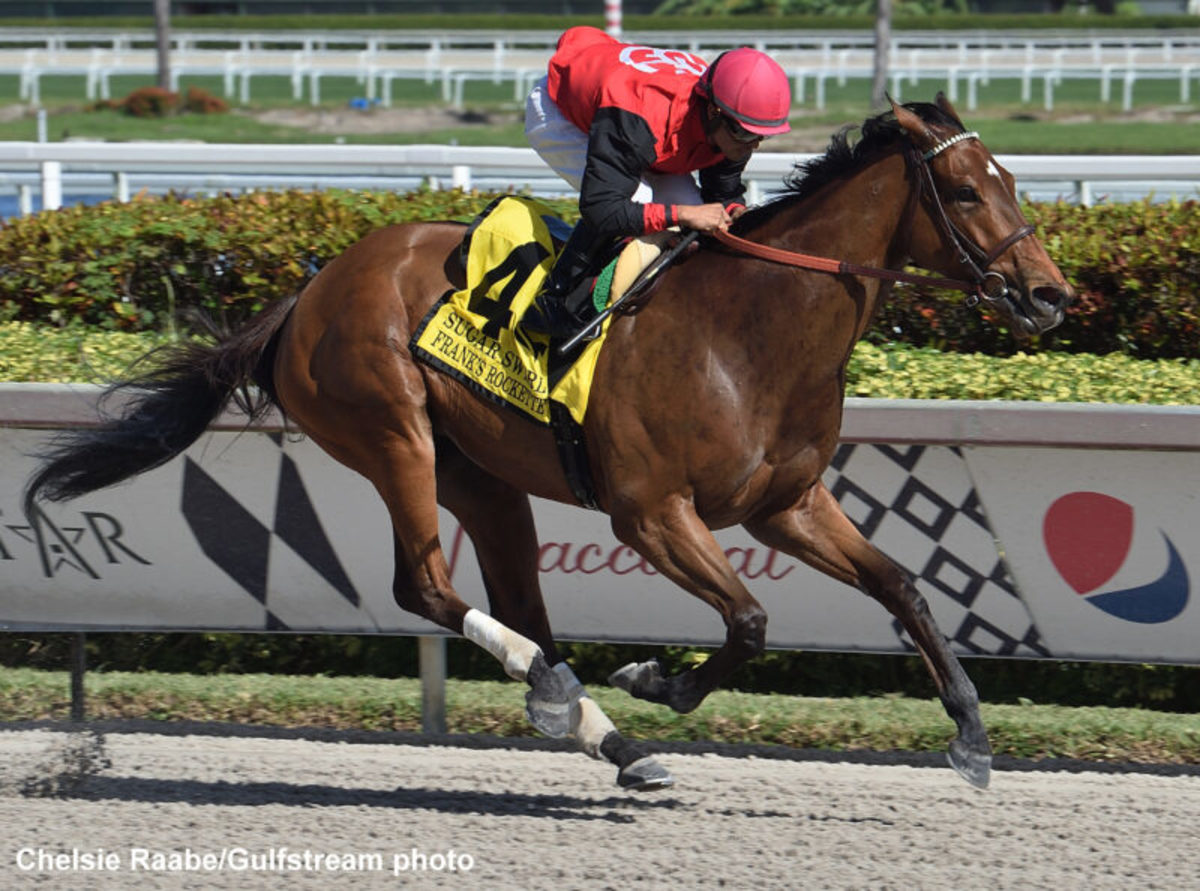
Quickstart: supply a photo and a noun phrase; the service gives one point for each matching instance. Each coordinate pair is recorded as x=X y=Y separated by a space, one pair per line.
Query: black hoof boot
x=552 y=694
x=973 y=765
x=638 y=771
x=644 y=775
x=645 y=680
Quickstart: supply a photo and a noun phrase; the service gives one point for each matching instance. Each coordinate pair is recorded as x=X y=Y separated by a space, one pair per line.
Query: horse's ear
x=944 y=104
x=916 y=128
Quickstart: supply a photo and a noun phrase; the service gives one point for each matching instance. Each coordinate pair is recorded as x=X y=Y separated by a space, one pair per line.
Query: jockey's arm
x=723 y=183
x=620 y=150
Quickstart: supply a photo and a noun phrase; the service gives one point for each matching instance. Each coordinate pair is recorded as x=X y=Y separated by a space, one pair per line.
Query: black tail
x=164 y=411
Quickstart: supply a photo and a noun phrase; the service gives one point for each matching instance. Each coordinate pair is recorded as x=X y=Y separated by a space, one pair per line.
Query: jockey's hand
x=704 y=217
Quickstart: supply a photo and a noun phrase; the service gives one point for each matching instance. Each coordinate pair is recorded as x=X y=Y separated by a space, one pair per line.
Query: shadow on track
x=614 y=809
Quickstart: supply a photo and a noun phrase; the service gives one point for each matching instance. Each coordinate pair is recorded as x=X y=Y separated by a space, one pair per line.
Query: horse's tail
x=164 y=410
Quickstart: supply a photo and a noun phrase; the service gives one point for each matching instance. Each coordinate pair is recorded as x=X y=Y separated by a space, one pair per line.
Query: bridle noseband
x=990 y=285
x=985 y=284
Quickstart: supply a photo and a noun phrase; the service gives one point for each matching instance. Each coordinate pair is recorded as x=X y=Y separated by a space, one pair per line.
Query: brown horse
x=719 y=403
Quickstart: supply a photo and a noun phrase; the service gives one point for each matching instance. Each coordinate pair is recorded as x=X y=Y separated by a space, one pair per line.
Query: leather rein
x=983 y=284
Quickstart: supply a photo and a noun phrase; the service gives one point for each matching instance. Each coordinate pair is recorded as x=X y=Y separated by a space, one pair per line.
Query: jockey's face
x=728 y=136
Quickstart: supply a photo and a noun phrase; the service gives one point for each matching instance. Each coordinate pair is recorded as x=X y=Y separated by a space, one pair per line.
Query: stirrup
x=552 y=315
x=549 y=317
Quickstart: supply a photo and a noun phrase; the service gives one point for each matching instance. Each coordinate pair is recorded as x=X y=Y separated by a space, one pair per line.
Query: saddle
x=474 y=334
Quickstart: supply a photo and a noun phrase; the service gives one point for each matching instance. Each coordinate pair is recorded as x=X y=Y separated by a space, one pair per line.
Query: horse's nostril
x=1054 y=298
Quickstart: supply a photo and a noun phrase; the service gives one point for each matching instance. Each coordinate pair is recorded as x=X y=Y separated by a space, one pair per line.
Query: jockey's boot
x=565 y=304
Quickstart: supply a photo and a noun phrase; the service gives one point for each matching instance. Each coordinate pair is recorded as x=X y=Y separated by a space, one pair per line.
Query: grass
x=1079 y=124
x=113 y=126
x=1025 y=731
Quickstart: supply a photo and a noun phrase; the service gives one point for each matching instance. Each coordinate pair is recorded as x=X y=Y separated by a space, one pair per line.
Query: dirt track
x=536 y=816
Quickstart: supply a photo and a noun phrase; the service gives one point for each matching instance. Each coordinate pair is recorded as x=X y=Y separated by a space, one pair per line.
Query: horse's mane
x=878 y=135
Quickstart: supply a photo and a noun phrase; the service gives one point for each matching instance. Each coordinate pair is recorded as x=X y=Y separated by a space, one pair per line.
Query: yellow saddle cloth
x=474 y=335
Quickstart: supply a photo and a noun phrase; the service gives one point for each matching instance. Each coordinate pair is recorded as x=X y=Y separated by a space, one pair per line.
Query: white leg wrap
x=512 y=650
x=589 y=725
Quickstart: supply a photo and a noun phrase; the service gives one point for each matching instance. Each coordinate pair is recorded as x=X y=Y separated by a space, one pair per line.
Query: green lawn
x=861 y=723
x=1080 y=123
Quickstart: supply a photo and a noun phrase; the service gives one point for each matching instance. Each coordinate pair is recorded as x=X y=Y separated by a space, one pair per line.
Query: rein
x=985 y=284
x=836 y=267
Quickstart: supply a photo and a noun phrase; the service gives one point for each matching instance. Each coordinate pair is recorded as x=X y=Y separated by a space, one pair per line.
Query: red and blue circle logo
x=1089 y=537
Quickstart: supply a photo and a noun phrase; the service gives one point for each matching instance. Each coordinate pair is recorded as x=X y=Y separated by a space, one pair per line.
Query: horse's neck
x=856 y=219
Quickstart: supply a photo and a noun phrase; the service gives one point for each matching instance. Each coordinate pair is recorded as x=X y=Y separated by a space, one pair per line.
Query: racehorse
x=718 y=403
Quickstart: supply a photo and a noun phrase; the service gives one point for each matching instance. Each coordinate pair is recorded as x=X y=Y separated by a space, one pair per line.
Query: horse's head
x=970 y=222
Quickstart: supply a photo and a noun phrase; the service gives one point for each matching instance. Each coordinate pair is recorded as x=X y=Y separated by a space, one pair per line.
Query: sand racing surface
x=210 y=806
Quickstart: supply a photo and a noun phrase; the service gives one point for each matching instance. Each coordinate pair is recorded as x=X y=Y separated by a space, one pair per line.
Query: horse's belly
x=768 y=489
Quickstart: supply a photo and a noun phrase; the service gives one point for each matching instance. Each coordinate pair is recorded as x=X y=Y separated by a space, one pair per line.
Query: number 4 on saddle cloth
x=474 y=334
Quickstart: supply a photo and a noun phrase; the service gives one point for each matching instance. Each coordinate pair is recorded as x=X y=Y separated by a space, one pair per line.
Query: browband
x=946 y=143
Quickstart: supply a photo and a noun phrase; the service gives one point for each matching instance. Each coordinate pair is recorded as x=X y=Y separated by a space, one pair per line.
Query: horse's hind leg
x=816 y=531
x=499 y=521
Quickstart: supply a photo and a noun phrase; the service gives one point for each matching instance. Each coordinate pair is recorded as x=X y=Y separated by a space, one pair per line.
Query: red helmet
x=751 y=88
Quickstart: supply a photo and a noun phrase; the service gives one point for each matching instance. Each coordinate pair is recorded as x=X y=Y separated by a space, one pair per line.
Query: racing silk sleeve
x=723 y=182
x=621 y=148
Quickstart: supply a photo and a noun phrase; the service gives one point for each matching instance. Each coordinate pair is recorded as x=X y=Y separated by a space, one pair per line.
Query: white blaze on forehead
x=993 y=169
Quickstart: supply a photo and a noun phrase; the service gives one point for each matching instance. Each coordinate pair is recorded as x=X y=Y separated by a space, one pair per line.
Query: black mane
x=878 y=135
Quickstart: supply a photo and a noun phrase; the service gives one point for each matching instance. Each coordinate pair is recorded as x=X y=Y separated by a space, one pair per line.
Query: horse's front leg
x=675 y=540
x=816 y=531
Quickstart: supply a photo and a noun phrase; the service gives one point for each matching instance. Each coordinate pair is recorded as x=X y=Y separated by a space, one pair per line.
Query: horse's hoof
x=644 y=775
x=974 y=767
x=638 y=679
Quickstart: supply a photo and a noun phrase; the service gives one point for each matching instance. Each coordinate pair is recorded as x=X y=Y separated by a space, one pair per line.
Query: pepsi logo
x=1089 y=537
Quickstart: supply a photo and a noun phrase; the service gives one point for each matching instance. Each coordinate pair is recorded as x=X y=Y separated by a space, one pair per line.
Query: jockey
x=627 y=126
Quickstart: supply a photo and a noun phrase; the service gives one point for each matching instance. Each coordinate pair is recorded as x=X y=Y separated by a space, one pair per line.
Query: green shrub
x=132 y=266
x=1135 y=268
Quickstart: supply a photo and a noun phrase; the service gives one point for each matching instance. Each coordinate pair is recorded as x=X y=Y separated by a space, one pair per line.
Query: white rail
x=375 y=60
x=121 y=169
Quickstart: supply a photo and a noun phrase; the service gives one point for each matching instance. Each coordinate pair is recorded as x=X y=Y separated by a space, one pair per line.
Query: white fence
x=121 y=169
x=971 y=60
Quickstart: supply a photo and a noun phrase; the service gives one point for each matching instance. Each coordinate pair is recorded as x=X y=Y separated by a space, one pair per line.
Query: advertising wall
x=1047 y=550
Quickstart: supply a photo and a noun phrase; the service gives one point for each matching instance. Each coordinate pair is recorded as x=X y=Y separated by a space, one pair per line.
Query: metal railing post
x=431 y=656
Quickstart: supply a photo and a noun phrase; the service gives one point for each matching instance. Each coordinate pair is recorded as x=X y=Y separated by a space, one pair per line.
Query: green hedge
x=76 y=353
x=134 y=266
x=1135 y=267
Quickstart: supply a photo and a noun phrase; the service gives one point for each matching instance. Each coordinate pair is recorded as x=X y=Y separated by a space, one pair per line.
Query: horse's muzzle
x=1049 y=305
x=1032 y=312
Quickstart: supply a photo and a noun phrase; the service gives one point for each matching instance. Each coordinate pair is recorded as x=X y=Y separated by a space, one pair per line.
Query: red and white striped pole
x=612 y=17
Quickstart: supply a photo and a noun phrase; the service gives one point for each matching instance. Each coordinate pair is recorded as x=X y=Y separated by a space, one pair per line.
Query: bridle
x=984 y=284
x=990 y=285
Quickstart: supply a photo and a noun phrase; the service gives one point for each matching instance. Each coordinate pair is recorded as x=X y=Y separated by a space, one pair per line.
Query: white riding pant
x=563 y=146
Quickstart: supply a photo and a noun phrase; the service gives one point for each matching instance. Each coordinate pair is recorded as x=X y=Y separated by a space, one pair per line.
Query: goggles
x=738 y=132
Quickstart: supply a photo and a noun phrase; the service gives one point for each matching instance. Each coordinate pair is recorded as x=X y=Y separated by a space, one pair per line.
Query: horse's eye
x=966 y=195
